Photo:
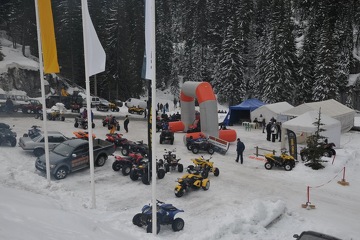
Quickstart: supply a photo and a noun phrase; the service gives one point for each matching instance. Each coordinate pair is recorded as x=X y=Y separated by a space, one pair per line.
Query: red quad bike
x=126 y=163
x=117 y=139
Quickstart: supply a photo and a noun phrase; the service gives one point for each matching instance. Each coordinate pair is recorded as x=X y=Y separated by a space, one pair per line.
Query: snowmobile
x=171 y=162
x=203 y=166
x=284 y=160
x=165 y=216
x=126 y=163
x=191 y=181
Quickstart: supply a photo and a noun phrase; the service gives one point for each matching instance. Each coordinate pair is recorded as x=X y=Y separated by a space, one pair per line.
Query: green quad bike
x=284 y=160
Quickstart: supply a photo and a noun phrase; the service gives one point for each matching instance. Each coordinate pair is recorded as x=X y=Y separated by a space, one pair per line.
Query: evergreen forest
x=274 y=50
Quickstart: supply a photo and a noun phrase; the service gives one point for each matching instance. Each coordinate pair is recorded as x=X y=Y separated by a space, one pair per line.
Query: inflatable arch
x=208 y=111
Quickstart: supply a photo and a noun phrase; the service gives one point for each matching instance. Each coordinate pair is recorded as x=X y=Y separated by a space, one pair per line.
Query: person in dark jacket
x=268 y=131
x=126 y=123
x=240 y=147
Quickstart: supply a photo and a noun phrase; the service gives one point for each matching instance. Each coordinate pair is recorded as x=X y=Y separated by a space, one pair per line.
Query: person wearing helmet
x=113 y=123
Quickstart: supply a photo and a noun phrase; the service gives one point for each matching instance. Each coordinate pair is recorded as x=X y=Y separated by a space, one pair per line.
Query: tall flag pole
x=47 y=49
x=95 y=58
x=151 y=74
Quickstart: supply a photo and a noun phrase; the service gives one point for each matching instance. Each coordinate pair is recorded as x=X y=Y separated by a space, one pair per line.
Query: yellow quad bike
x=191 y=181
x=113 y=107
x=284 y=160
x=203 y=166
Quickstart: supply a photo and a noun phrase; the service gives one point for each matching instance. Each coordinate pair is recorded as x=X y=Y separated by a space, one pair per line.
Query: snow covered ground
x=240 y=204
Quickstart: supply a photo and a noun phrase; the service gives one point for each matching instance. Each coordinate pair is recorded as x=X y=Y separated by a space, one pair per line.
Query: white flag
x=94 y=52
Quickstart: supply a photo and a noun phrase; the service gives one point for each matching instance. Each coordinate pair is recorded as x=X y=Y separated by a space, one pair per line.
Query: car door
x=80 y=157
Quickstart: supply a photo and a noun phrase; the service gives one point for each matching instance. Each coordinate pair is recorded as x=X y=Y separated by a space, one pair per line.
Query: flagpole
x=84 y=6
x=153 y=110
x=42 y=83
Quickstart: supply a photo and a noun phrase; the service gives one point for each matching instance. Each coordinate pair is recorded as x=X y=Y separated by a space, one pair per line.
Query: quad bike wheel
x=167 y=167
x=178 y=224
x=126 y=170
x=205 y=174
x=188 y=146
x=117 y=128
x=145 y=179
x=76 y=124
x=207 y=186
x=216 y=172
x=137 y=220
x=268 y=165
x=161 y=173
x=195 y=150
x=180 y=167
x=133 y=175
x=180 y=193
x=13 y=142
x=149 y=227
x=125 y=151
x=288 y=167
x=62 y=118
x=116 y=166
x=211 y=151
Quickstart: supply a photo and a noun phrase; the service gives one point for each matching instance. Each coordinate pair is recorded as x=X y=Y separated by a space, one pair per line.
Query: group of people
x=273 y=130
x=113 y=123
x=163 y=107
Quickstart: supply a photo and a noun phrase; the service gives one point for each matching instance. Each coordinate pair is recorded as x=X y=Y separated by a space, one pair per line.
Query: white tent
x=330 y=108
x=269 y=111
x=304 y=126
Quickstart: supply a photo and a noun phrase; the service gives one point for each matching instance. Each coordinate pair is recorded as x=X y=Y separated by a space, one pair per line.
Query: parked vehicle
x=137 y=110
x=33 y=131
x=82 y=122
x=137 y=147
x=143 y=170
x=203 y=166
x=75 y=107
x=167 y=136
x=205 y=145
x=55 y=115
x=171 y=162
x=135 y=102
x=83 y=135
x=284 y=160
x=113 y=107
x=126 y=163
x=117 y=139
x=327 y=149
x=191 y=181
x=36 y=142
x=72 y=155
x=165 y=215
x=33 y=106
x=311 y=235
x=50 y=101
x=7 y=135
x=103 y=106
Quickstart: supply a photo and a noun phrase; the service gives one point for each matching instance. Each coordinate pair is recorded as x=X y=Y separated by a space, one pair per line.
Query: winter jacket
x=240 y=147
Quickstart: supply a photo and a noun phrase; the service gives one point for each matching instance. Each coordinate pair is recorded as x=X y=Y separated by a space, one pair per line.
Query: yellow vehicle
x=284 y=160
x=113 y=107
x=137 y=110
x=203 y=166
x=191 y=181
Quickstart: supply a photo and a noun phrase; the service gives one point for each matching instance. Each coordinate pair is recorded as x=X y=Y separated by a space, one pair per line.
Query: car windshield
x=63 y=149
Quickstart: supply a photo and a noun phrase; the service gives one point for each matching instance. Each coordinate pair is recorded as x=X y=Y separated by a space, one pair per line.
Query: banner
x=292 y=143
x=47 y=32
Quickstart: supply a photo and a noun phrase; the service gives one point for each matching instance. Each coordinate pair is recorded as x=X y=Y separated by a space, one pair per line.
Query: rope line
x=321 y=185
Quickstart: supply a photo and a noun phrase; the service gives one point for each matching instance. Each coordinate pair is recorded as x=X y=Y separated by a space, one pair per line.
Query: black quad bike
x=82 y=122
x=165 y=216
x=142 y=170
x=167 y=136
x=126 y=163
x=171 y=162
x=327 y=150
x=284 y=160
x=7 y=136
x=137 y=147
x=204 y=145
x=33 y=132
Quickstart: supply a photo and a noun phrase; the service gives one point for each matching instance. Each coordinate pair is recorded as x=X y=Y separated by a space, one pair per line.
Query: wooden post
x=343 y=181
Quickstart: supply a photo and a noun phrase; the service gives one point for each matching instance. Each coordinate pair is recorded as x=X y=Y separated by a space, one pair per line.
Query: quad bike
x=203 y=166
x=126 y=163
x=7 y=136
x=141 y=170
x=171 y=162
x=195 y=127
x=191 y=140
x=204 y=145
x=328 y=151
x=82 y=122
x=113 y=107
x=117 y=139
x=284 y=160
x=167 y=136
x=33 y=132
x=83 y=135
x=137 y=147
x=165 y=216
x=106 y=122
x=191 y=181
x=54 y=116
x=137 y=110
x=75 y=107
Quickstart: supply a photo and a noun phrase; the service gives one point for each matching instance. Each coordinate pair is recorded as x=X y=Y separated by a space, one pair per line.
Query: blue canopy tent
x=241 y=112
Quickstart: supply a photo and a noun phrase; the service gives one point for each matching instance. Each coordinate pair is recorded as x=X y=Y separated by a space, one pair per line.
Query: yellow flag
x=51 y=64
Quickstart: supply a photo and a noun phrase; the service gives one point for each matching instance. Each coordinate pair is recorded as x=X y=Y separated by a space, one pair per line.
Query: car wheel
x=61 y=173
x=180 y=168
x=126 y=170
x=211 y=151
x=288 y=167
x=216 y=172
x=178 y=224
x=161 y=173
x=116 y=166
x=137 y=220
x=133 y=175
x=100 y=161
x=125 y=151
x=195 y=150
x=268 y=165
x=38 y=152
x=207 y=186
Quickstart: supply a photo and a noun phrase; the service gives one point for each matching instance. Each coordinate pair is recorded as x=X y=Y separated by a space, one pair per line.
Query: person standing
x=126 y=123
x=240 y=147
x=113 y=123
x=274 y=131
x=268 y=131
